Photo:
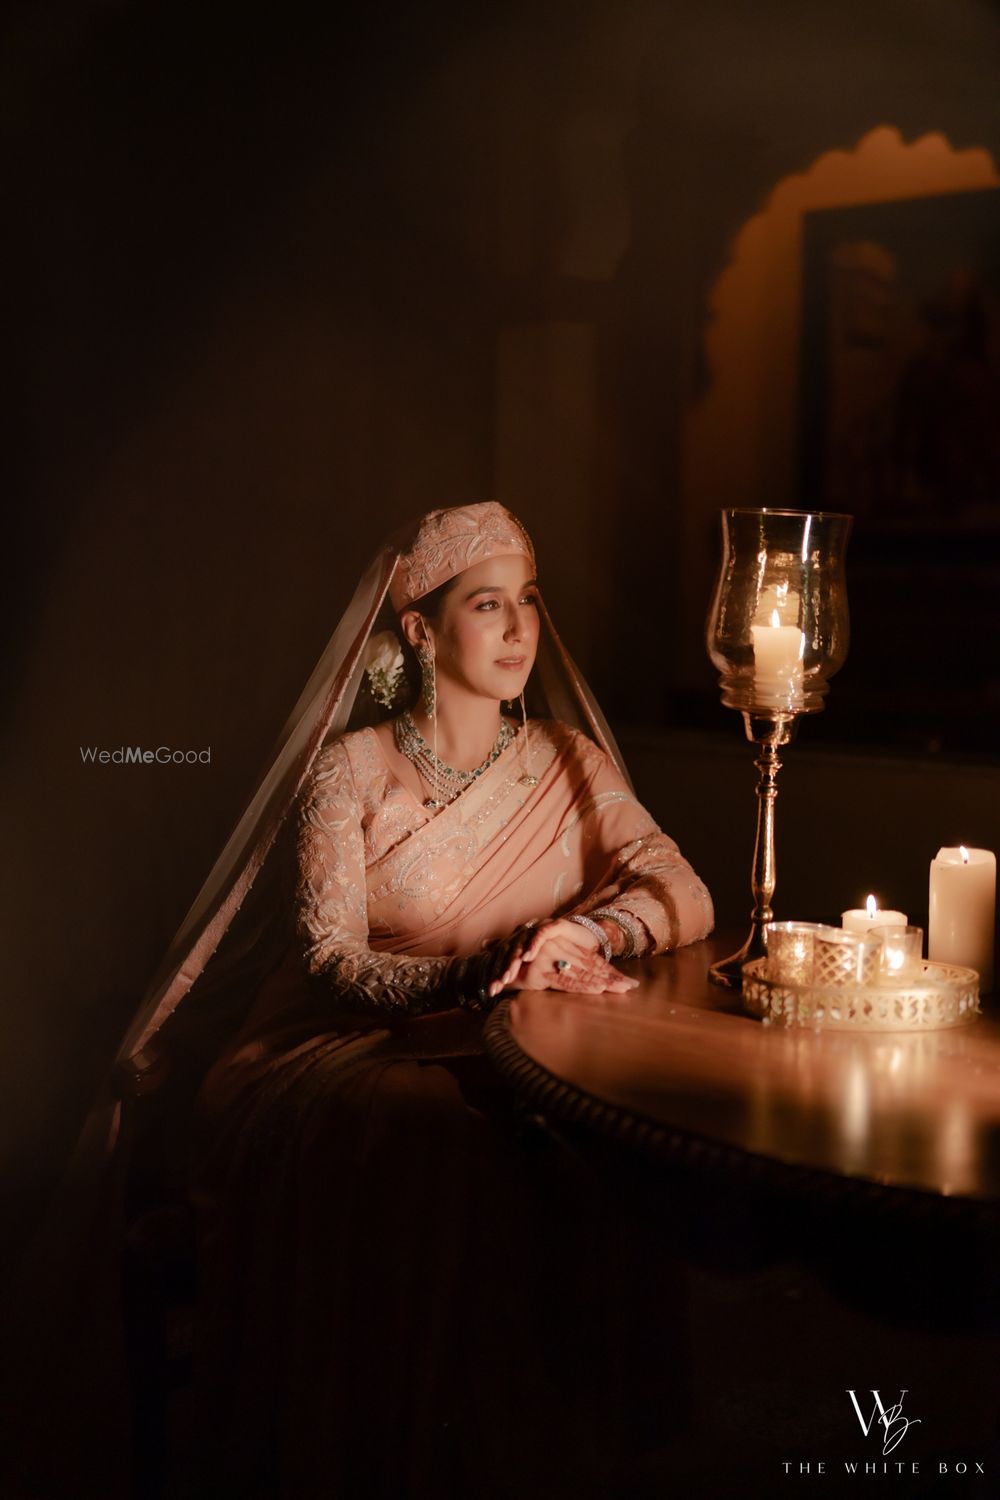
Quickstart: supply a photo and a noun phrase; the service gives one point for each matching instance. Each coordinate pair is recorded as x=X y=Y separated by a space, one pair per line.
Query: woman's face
x=486 y=634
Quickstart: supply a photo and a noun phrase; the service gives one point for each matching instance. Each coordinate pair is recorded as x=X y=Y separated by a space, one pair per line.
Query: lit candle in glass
x=902 y=952
x=777 y=661
x=963 y=910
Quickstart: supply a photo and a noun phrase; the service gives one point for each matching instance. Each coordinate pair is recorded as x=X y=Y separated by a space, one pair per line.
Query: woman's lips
x=511 y=663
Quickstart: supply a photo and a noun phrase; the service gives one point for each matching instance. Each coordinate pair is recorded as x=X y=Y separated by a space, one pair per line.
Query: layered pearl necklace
x=443 y=780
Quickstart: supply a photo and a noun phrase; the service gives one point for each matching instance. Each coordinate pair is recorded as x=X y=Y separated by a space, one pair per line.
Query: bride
x=374 y=1247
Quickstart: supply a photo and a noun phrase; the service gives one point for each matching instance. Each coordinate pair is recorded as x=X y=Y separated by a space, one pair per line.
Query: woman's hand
x=562 y=955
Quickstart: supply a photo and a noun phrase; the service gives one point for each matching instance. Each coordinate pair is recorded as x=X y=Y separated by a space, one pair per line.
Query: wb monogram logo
x=892 y=1419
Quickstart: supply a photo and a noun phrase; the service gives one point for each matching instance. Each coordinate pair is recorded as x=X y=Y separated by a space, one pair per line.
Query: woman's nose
x=513 y=630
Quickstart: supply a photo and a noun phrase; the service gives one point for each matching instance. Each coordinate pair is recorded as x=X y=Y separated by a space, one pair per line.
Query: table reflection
x=919 y=1111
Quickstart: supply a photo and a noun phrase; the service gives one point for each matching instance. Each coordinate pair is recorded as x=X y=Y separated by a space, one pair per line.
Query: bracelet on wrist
x=635 y=938
x=597 y=932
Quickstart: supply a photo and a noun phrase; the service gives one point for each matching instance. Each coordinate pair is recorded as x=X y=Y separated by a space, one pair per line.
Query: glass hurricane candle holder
x=778 y=629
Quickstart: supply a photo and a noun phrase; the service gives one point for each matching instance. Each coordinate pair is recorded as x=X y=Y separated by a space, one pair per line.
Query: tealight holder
x=902 y=953
x=790 y=950
x=841 y=959
x=813 y=955
x=917 y=996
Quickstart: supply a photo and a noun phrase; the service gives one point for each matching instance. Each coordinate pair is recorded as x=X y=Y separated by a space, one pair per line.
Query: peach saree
x=355 y=1200
x=387 y=895
x=379 y=1258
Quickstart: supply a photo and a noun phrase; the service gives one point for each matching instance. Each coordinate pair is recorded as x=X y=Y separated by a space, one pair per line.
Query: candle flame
x=871 y=906
x=775 y=619
x=964 y=853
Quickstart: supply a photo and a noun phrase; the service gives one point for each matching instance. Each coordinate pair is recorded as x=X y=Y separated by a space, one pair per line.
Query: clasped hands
x=561 y=955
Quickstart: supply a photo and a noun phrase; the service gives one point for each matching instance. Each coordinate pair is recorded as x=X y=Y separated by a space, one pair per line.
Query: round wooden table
x=677 y=1070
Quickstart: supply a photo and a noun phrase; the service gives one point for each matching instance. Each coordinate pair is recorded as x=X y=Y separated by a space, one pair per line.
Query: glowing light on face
x=487 y=633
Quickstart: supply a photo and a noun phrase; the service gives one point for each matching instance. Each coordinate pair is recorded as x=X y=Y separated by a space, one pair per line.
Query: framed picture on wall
x=900 y=425
x=901 y=360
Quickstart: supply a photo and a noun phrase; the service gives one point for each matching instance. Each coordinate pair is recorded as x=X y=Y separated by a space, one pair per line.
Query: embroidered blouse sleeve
x=644 y=873
x=657 y=885
x=331 y=917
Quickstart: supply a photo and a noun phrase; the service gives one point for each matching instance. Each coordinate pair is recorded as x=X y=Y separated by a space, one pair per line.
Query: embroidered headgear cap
x=449 y=541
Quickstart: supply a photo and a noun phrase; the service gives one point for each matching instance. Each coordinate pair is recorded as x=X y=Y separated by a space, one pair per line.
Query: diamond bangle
x=601 y=937
x=635 y=940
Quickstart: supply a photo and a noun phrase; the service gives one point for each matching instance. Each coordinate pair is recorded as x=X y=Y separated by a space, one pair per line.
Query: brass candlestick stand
x=777 y=631
x=770 y=734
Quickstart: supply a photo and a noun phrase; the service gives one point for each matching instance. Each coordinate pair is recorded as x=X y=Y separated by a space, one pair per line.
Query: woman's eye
x=491 y=604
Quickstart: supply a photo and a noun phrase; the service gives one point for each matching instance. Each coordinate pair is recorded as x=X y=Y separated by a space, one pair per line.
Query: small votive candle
x=871 y=918
x=790 y=950
x=902 y=953
x=847 y=957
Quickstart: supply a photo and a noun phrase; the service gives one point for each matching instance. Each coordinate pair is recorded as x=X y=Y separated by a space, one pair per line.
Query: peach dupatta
x=504 y=854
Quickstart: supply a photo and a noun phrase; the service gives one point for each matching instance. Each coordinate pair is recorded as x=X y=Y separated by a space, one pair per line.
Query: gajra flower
x=384 y=666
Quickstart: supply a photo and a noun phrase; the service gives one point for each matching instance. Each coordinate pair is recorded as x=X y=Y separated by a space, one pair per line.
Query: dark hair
x=429 y=605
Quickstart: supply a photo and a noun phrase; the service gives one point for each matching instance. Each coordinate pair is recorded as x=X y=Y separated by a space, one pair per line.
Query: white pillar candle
x=777 y=661
x=963 y=910
x=871 y=918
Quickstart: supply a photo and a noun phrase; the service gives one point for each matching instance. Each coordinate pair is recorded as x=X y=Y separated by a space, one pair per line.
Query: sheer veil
x=323 y=712
x=71 y=1292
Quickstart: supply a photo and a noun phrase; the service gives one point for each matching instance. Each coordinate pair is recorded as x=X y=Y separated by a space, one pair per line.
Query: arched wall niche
x=740 y=437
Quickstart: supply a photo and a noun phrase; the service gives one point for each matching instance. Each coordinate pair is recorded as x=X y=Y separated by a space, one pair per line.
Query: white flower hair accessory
x=384 y=666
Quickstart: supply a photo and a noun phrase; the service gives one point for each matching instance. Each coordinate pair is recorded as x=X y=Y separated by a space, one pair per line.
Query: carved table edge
x=576 y=1107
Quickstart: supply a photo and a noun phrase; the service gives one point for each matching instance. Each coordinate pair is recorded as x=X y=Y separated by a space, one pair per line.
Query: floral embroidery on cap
x=449 y=541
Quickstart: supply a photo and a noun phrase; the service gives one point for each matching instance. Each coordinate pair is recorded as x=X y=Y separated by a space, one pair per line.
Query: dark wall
x=250 y=339
x=278 y=283
x=847 y=824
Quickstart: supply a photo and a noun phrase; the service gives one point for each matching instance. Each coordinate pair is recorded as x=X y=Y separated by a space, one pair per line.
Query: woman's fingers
x=589 y=985
x=597 y=971
x=560 y=955
x=560 y=930
x=588 y=977
x=558 y=943
x=603 y=980
x=515 y=959
x=537 y=941
x=506 y=978
x=590 y=966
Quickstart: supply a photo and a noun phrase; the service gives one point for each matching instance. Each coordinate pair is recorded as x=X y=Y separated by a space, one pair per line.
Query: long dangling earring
x=528 y=779
x=428 y=689
x=428 y=681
